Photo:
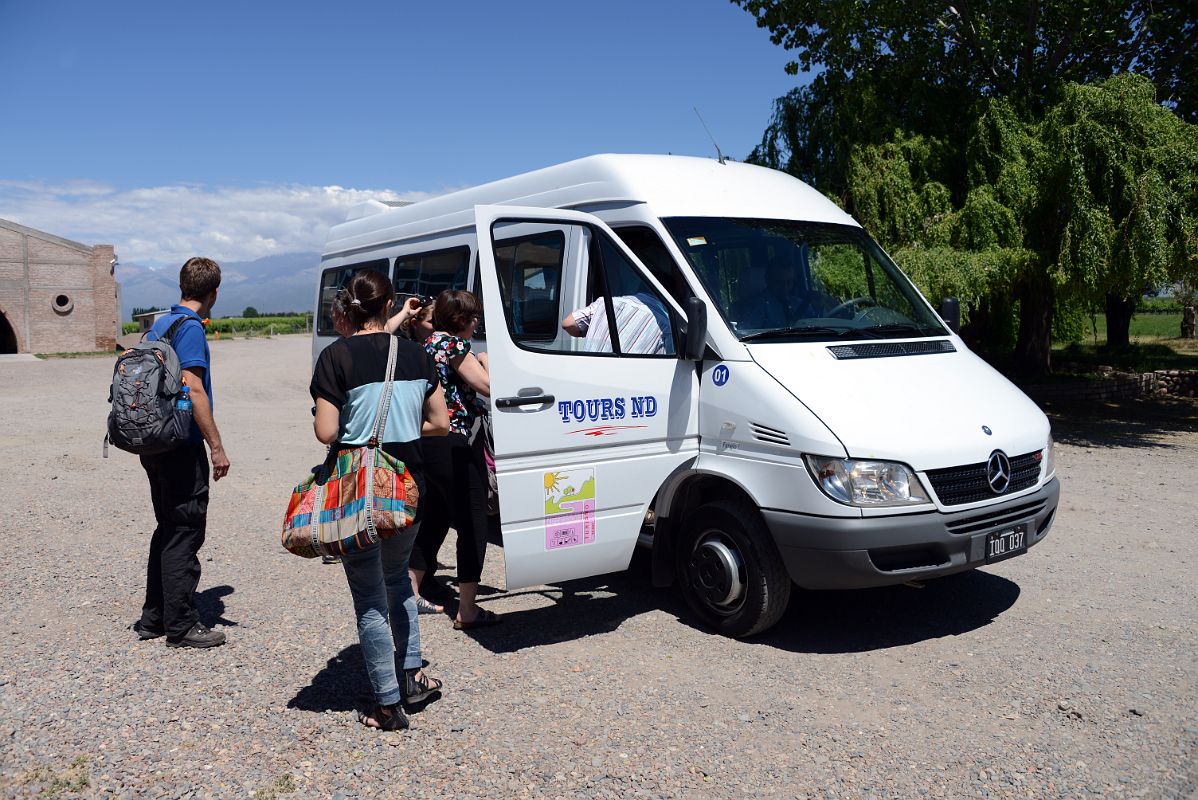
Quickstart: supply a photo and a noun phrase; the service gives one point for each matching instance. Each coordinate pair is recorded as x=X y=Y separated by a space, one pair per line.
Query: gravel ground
x=1069 y=672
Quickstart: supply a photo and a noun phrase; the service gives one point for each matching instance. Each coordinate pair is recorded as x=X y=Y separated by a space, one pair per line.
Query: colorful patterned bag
x=358 y=496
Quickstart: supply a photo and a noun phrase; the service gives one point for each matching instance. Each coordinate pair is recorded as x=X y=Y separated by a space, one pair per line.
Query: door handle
x=526 y=400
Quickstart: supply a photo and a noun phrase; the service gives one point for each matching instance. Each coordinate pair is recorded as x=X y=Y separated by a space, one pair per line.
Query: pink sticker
x=569 y=508
x=572 y=528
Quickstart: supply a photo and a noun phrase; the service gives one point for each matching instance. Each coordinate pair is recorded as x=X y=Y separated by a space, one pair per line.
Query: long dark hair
x=364 y=298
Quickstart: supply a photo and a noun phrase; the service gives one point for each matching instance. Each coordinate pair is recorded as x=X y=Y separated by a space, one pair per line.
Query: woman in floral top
x=455 y=468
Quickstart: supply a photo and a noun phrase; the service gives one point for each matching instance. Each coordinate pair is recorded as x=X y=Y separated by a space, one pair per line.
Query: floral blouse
x=463 y=402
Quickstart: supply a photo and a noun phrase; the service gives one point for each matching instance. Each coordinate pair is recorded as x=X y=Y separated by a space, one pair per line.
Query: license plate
x=1006 y=543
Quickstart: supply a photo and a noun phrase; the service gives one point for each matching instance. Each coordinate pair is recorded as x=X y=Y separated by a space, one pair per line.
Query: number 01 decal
x=569 y=507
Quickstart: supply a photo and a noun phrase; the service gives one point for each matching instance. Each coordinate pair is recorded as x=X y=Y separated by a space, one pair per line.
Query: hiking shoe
x=144 y=633
x=200 y=635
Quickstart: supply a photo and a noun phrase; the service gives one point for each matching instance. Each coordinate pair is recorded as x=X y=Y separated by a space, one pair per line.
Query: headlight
x=1050 y=465
x=869 y=484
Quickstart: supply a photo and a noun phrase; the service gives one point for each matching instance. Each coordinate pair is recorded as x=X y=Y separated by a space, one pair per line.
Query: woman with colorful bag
x=351 y=387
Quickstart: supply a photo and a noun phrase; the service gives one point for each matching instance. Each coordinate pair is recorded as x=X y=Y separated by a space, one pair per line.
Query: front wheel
x=729 y=569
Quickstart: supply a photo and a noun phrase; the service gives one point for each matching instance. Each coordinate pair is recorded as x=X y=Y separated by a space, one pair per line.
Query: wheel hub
x=715 y=571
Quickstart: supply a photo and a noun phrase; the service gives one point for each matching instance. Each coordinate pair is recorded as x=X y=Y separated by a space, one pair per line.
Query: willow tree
x=1088 y=207
x=981 y=249
x=886 y=71
x=1120 y=183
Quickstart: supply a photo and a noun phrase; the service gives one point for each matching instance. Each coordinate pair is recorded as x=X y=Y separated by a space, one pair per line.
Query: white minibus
x=713 y=360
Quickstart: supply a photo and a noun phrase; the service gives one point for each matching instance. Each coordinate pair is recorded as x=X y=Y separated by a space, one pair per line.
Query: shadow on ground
x=815 y=622
x=891 y=616
x=1122 y=423
x=210 y=605
x=341 y=686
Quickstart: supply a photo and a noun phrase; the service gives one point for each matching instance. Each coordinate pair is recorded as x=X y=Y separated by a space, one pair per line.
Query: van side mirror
x=696 y=330
x=950 y=312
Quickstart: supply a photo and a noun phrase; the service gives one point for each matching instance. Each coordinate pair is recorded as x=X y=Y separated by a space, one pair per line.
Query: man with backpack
x=179 y=476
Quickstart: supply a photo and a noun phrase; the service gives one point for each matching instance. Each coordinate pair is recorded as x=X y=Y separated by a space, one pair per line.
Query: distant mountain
x=273 y=283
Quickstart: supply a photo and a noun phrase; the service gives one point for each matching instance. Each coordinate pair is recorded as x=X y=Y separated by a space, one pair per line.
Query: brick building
x=56 y=296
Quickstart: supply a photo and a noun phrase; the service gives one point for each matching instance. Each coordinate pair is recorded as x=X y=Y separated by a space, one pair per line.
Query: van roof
x=672 y=186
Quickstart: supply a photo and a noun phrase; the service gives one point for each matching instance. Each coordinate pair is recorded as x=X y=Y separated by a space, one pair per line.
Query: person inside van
x=777 y=300
x=455 y=464
x=641 y=323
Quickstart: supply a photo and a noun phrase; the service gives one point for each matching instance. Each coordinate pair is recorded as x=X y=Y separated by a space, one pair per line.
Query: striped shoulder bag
x=358 y=496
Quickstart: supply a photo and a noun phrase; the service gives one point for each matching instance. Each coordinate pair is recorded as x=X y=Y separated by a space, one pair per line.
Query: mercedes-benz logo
x=998 y=472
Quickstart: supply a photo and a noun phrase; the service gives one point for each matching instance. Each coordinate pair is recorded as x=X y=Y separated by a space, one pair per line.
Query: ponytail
x=364 y=298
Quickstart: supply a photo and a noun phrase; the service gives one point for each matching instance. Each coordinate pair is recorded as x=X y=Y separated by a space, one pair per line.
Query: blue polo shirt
x=191 y=346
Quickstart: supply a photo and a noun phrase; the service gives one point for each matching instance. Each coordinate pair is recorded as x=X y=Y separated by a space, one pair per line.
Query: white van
x=774 y=402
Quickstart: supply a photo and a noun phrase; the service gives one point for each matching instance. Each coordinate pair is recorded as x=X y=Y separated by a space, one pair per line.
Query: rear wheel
x=729 y=569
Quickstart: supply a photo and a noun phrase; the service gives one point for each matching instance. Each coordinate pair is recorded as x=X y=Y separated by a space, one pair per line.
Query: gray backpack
x=146 y=382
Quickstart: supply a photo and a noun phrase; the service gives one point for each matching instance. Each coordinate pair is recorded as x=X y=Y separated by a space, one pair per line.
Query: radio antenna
x=713 y=141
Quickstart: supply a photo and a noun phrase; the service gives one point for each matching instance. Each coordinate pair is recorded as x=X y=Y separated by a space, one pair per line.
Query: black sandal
x=418 y=690
x=386 y=718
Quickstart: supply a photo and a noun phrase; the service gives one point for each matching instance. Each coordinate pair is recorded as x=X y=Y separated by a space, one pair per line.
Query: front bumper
x=854 y=553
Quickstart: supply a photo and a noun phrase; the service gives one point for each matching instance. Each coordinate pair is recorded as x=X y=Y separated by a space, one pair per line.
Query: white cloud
x=165 y=225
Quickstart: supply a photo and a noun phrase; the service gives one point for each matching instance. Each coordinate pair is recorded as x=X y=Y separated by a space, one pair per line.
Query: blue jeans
x=385 y=606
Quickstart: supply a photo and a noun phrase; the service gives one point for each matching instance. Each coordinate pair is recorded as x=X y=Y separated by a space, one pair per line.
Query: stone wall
x=1120 y=386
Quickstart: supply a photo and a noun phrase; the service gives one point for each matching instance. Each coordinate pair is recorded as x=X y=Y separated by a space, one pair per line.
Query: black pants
x=179 y=491
x=455 y=474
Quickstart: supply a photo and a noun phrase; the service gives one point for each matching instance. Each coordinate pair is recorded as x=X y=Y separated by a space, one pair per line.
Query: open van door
x=587 y=427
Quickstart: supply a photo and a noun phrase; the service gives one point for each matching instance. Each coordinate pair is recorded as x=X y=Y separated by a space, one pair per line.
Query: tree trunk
x=1033 y=349
x=1118 y=321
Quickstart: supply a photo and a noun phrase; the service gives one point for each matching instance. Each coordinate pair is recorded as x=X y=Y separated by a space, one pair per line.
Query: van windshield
x=779 y=280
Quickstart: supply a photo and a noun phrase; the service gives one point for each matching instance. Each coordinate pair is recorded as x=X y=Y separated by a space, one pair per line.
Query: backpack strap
x=168 y=335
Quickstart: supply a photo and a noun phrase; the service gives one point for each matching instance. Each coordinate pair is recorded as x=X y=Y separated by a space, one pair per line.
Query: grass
x=284 y=784
x=246 y=326
x=1143 y=326
x=78 y=354
x=255 y=326
x=1155 y=345
x=51 y=782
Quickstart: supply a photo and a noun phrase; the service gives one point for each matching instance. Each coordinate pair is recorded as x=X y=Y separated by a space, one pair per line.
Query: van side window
x=530 y=274
x=331 y=281
x=646 y=245
x=637 y=320
x=431 y=273
x=480 y=332
x=618 y=313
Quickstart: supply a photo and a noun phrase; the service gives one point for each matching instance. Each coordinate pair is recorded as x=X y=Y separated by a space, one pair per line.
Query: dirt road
x=1071 y=671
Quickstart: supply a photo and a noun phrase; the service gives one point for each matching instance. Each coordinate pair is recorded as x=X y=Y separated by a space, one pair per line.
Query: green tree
x=249 y=312
x=1121 y=172
x=954 y=92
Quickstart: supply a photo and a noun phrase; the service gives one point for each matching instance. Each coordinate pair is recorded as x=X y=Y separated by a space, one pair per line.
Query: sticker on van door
x=569 y=507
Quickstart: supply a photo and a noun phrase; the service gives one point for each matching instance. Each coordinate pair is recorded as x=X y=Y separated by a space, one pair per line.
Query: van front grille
x=967 y=484
x=994 y=519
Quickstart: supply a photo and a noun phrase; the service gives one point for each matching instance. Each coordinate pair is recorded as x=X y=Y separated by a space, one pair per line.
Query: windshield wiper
x=796 y=330
x=903 y=327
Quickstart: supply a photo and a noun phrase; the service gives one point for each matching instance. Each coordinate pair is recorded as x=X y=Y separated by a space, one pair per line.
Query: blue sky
x=245 y=128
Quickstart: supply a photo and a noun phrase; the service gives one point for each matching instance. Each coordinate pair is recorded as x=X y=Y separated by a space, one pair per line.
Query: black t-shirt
x=350 y=375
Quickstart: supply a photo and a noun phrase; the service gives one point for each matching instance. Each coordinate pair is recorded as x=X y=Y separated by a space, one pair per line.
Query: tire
x=729 y=569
